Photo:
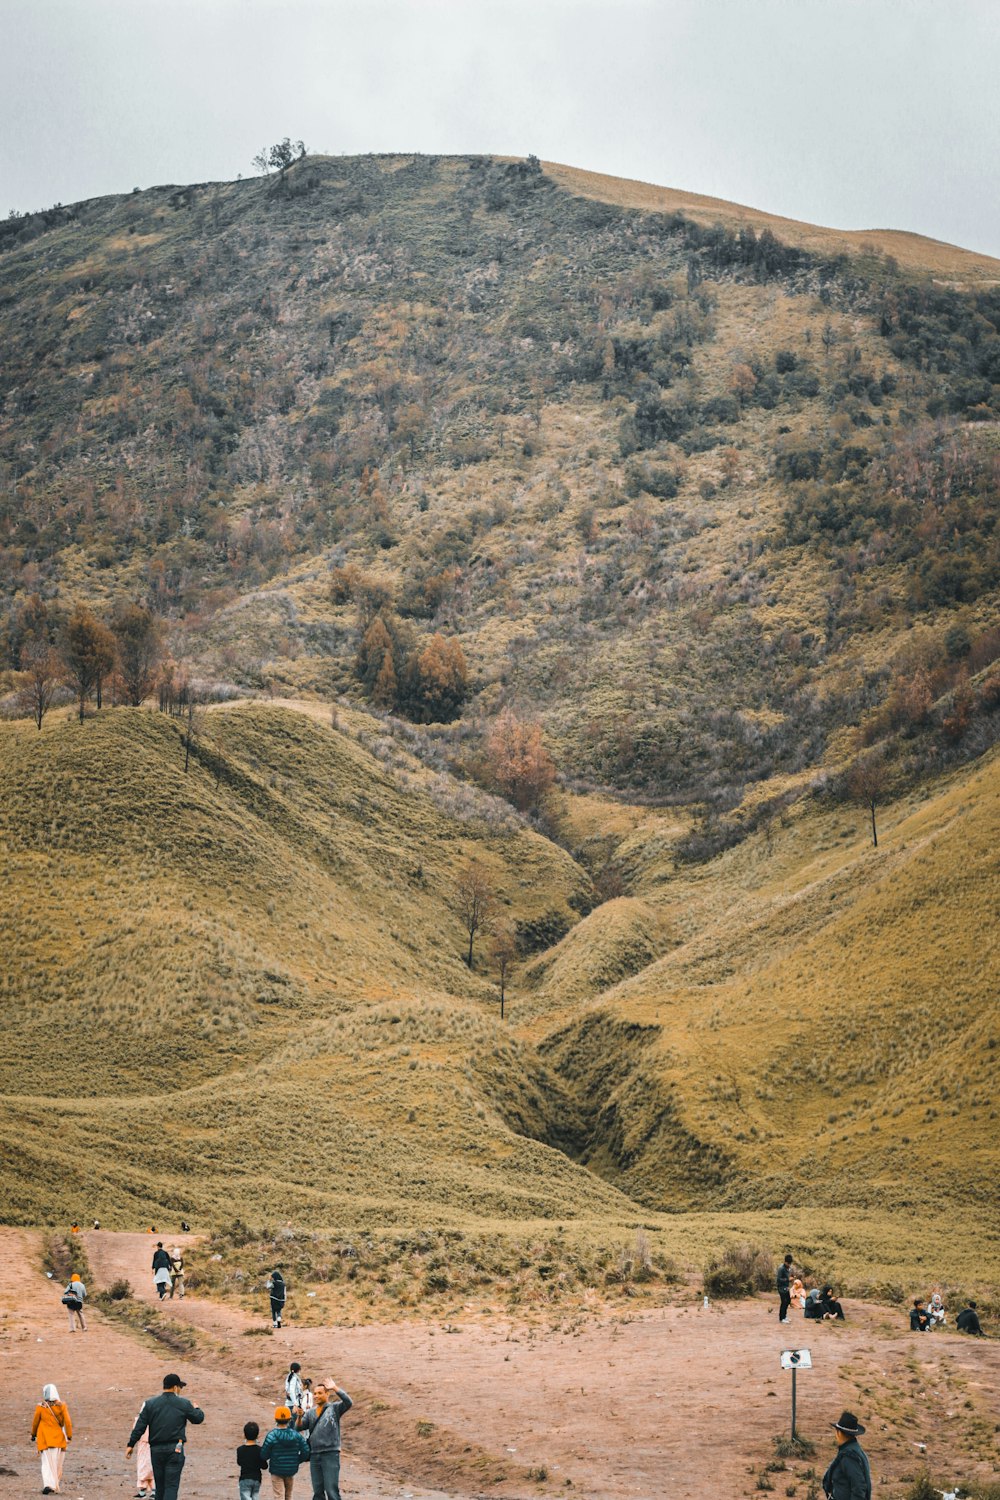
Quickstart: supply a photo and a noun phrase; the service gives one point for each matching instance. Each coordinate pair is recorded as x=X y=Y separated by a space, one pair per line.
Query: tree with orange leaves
x=517 y=763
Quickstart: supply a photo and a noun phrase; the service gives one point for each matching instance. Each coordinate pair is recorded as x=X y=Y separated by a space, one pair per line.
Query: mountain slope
x=677 y=487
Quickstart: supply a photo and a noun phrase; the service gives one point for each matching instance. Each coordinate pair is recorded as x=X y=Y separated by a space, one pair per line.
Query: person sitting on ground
x=829 y=1306
x=968 y=1320
x=918 y=1316
x=811 y=1303
x=282 y=1451
x=798 y=1292
x=935 y=1311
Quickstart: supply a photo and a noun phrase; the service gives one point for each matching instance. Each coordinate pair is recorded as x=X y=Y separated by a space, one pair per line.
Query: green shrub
x=739 y=1271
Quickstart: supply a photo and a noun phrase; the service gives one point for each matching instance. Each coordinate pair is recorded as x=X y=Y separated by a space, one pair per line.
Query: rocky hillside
x=696 y=494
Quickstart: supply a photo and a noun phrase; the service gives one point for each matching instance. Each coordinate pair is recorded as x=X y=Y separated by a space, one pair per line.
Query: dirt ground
x=679 y=1402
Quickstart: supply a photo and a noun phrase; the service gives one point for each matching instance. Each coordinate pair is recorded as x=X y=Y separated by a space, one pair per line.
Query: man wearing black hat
x=165 y=1418
x=849 y=1477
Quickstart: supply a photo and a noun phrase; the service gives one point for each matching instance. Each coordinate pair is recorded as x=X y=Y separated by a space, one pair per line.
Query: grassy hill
x=711 y=497
x=241 y=991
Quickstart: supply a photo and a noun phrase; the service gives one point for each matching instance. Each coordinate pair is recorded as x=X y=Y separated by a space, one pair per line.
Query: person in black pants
x=165 y=1418
x=784 y=1285
x=276 y=1287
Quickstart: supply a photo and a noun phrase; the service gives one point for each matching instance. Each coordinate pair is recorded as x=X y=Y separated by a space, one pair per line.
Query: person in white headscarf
x=51 y=1431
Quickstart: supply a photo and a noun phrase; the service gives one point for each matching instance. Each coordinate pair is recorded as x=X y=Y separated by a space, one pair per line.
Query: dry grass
x=253 y=977
x=914 y=252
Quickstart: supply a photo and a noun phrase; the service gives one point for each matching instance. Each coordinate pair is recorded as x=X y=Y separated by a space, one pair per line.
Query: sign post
x=795 y=1360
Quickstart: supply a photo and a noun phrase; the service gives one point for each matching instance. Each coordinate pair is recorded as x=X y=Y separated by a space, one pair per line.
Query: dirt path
x=678 y=1402
x=104 y=1374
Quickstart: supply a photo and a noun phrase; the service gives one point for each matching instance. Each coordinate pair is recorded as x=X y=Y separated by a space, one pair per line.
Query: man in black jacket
x=165 y=1418
x=783 y=1281
x=849 y=1477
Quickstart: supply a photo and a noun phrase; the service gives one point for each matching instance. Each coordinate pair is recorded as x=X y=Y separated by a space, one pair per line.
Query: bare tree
x=476 y=900
x=43 y=669
x=868 y=783
x=503 y=951
x=194 y=727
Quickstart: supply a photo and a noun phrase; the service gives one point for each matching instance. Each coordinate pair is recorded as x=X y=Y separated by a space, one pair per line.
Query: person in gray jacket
x=849 y=1477
x=322 y=1424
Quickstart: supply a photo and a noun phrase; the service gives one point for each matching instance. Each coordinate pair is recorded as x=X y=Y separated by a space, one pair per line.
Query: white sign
x=796 y=1359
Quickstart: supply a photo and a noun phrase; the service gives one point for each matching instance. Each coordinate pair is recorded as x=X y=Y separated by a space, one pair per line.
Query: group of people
x=307 y=1432
x=168 y=1271
x=818 y=1302
x=925 y=1315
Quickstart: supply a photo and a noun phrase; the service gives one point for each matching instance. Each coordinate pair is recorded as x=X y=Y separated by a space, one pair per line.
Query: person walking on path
x=165 y=1418
x=251 y=1462
x=73 y=1299
x=849 y=1477
x=161 y=1269
x=783 y=1280
x=51 y=1430
x=279 y=1292
x=323 y=1427
x=144 y=1483
x=283 y=1451
x=176 y=1273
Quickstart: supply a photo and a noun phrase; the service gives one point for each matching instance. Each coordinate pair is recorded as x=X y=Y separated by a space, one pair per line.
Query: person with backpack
x=279 y=1292
x=323 y=1427
x=73 y=1299
x=283 y=1451
x=51 y=1430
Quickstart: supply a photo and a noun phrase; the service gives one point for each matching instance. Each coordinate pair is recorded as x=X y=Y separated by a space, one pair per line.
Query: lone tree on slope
x=868 y=783
x=476 y=900
x=503 y=951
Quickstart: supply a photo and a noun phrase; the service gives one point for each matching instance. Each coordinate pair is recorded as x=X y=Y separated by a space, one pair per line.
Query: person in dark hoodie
x=323 y=1427
x=849 y=1477
x=165 y=1418
x=278 y=1293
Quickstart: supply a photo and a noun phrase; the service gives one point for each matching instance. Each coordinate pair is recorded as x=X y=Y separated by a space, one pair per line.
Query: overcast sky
x=856 y=113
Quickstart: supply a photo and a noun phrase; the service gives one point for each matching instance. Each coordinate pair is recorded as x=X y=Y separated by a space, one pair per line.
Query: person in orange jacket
x=51 y=1430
